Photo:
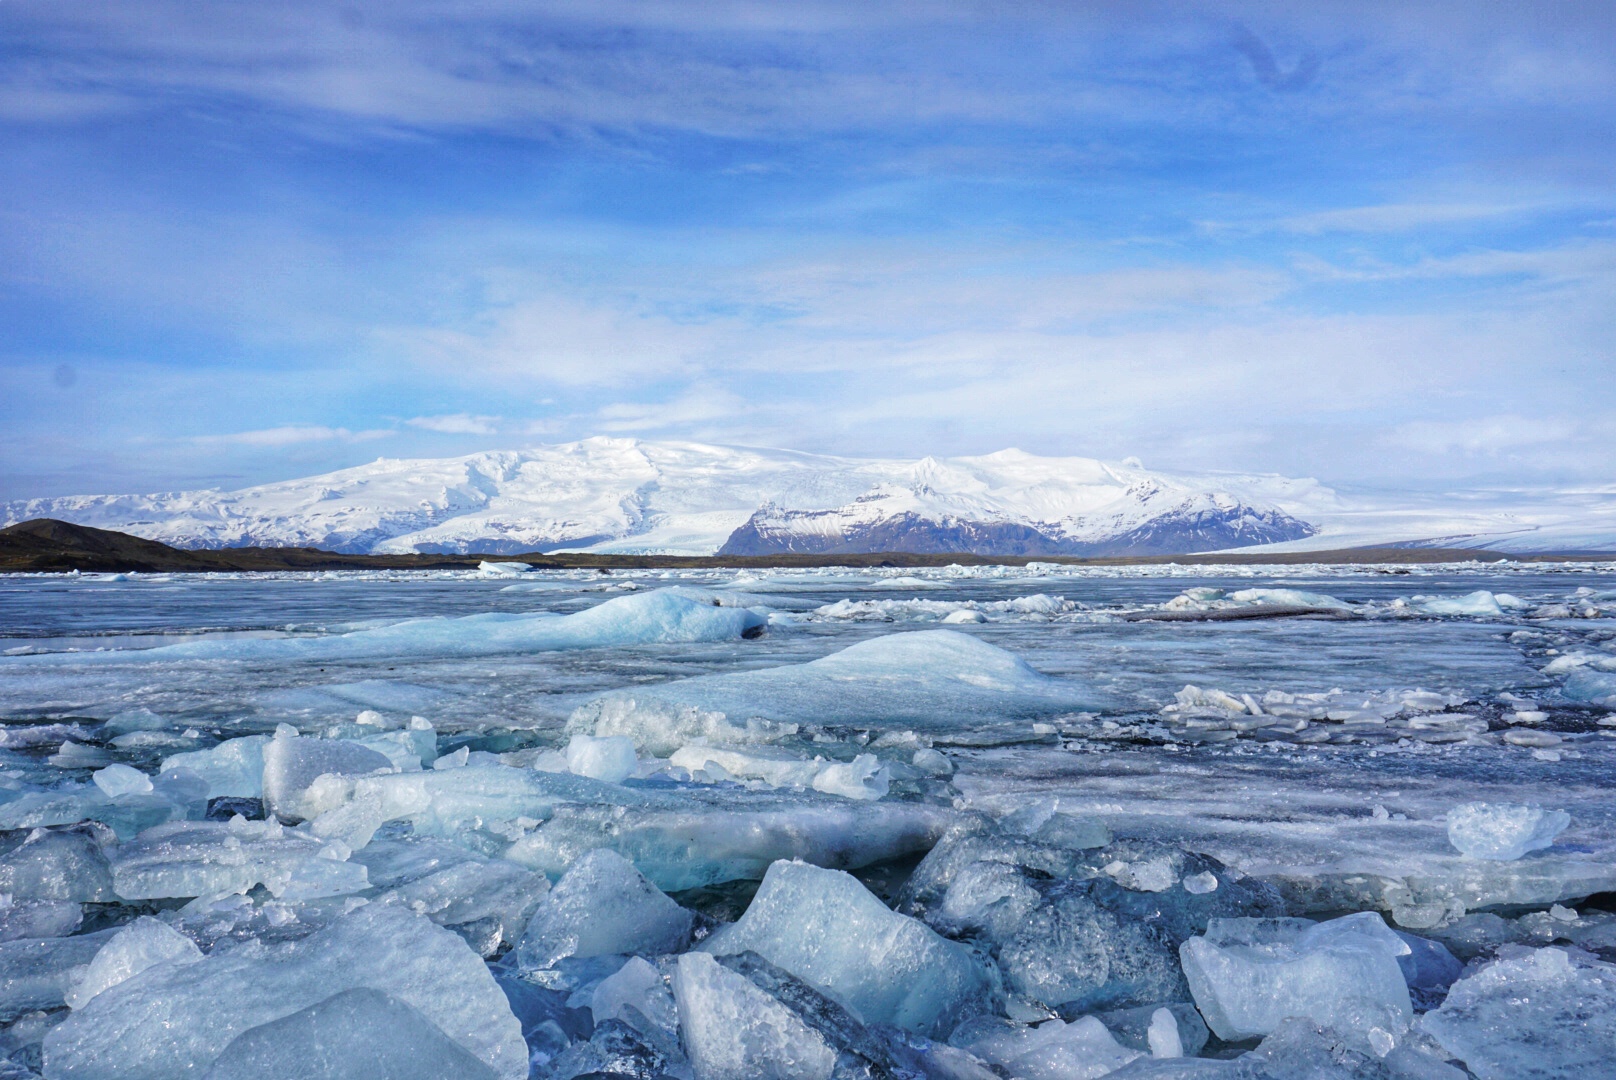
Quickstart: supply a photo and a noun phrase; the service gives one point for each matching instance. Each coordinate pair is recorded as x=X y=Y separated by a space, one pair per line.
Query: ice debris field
x=1046 y=823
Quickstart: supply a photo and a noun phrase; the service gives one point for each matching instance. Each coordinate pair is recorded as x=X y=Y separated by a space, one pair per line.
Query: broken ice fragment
x=115 y=780
x=358 y=1034
x=1503 y=832
x=827 y=929
x=734 y=1031
x=600 y=907
x=133 y=949
x=610 y=758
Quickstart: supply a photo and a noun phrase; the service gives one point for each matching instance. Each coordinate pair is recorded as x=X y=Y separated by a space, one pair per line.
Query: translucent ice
x=133 y=949
x=929 y=680
x=826 y=928
x=204 y=858
x=1503 y=832
x=1081 y=1050
x=734 y=1031
x=637 y=995
x=488 y=900
x=177 y=1020
x=235 y=767
x=294 y=766
x=862 y=778
x=602 y=906
x=778 y=768
x=39 y=973
x=1247 y=975
x=359 y=1034
x=37 y=918
x=60 y=864
x=610 y=759
x=115 y=780
x=1535 y=1015
x=1479 y=603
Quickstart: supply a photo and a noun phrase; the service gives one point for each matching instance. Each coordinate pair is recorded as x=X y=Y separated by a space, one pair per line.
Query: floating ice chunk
x=1247 y=975
x=928 y=680
x=1054 y=1050
x=358 y=1034
x=1534 y=1015
x=1163 y=1035
x=133 y=949
x=205 y=858
x=38 y=973
x=74 y=755
x=776 y=769
x=1201 y=884
x=610 y=758
x=826 y=928
x=716 y=836
x=862 y=778
x=659 y=616
x=177 y=1020
x=37 y=918
x=488 y=900
x=1480 y=603
x=65 y=864
x=734 y=1031
x=602 y=906
x=233 y=768
x=115 y=780
x=1290 y=598
x=503 y=569
x=294 y=767
x=661 y=727
x=636 y=994
x=964 y=616
x=1503 y=832
x=1594 y=687
x=932 y=762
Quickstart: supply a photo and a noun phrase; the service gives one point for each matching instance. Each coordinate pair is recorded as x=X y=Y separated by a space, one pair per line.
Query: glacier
x=1152 y=821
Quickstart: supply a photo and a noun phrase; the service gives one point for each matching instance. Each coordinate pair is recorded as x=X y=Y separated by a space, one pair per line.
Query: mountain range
x=615 y=495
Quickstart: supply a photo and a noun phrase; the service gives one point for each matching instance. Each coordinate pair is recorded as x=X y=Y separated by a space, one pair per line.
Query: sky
x=1369 y=242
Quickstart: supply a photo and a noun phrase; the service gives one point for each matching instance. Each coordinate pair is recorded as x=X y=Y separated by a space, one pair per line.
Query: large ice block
x=930 y=680
x=39 y=973
x=1081 y=1050
x=203 y=858
x=177 y=1020
x=294 y=768
x=1536 y=1014
x=141 y=944
x=734 y=1031
x=602 y=906
x=358 y=1034
x=826 y=928
x=235 y=767
x=1248 y=975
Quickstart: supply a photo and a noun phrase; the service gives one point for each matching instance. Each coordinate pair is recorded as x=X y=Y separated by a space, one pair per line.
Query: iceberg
x=926 y=680
x=642 y=618
x=827 y=929
x=175 y=1019
x=1503 y=832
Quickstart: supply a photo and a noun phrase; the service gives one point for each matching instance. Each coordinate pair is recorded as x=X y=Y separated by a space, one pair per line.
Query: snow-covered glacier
x=958 y=823
x=632 y=496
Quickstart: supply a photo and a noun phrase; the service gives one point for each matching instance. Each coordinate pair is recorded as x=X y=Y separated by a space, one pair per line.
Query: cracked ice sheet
x=1306 y=820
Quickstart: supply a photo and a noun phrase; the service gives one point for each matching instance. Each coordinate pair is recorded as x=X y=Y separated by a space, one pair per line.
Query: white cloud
x=289 y=435
x=1483 y=435
x=456 y=424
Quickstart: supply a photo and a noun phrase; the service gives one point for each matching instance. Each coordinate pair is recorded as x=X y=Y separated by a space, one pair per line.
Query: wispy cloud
x=289 y=435
x=457 y=424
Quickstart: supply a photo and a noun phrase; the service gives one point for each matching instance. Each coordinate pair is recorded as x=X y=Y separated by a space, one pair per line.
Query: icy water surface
x=306 y=784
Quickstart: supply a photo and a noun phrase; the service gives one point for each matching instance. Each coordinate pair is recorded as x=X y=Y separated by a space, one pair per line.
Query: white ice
x=1503 y=832
x=134 y=948
x=1081 y=1050
x=610 y=759
x=928 y=680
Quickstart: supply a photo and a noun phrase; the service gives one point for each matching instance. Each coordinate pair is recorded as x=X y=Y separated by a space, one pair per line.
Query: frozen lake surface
x=250 y=815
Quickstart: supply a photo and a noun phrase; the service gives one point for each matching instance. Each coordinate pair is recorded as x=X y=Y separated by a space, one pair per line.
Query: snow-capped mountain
x=631 y=496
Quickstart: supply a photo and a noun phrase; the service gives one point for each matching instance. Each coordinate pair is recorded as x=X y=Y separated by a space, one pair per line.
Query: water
x=1364 y=725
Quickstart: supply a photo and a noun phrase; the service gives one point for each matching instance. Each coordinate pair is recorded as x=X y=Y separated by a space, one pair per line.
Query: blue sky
x=1370 y=242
